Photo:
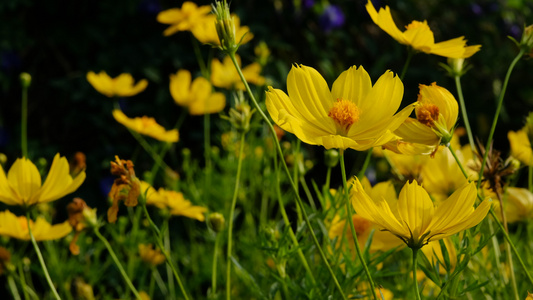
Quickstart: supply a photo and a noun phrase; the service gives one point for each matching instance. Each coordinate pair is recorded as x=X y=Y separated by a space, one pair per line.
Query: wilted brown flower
x=126 y=187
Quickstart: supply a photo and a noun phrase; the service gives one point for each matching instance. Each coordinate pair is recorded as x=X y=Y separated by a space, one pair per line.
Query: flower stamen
x=345 y=113
x=427 y=114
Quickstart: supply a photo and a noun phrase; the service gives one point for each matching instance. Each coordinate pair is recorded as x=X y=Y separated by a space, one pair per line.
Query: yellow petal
x=24 y=179
x=7 y=194
x=455 y=209
x=384 y=20
x=419 y=36
x=101 y=82
x=415 y=209
x=213 y=104
x=521 y=146
x=180 y=84
x=353 y=84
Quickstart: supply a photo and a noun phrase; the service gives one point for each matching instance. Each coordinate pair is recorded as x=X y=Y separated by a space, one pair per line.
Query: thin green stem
x=231 y=213
x=13 y=287
x=497 y=114
x=207 y=153
x=171 y=287
x=458 y=161
x=161 y=246
x=530 y=178
x=149 y=149
x=410 y=53
x=24 y=122
x=365 y=164
x=201 y=63
x=308 y=193
x=463 y=112
x=415 y=282
x=117 y=263
x=40 y=256
x=288 y=225
x=22 y=279
x=214 y=266
x=352 y=227
x=288 y=173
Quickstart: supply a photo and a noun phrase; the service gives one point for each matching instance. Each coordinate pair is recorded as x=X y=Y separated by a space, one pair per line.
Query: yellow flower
x=518 y=204
x=22 y=186
x=147 y=126
x=354 y=114
x=17 y=227
x=436 y=114
x=529 y=296
x=121 y=86
x=196 y=96
x=183 y=19
x=419 y=36
x=150 y=255
x=174 y=201
x=206 y=32
x=416 y=221
x=224 y=75
x=521 y=146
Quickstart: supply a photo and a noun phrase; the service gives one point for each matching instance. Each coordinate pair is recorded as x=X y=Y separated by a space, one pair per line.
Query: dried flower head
x=126 y=187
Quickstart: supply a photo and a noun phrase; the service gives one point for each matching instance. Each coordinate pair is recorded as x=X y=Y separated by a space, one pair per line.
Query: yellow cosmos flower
x=174 y=201
x=151 y=256
x=197 y=95
x=206 y=32
x=224 y=75
x=184 y=18
x=22 y=186
x=521 y=146
x=354 y=114
x=518 y=204
x=436 y=114
x=419 y=36
x=121 y=86
x=147 y=126
x=416 y=221
x=17 y=227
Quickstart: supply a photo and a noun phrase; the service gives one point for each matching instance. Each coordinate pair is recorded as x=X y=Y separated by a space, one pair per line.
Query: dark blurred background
x=58 y=42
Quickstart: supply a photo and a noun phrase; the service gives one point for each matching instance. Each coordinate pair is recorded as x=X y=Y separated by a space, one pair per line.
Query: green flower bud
x=331 y=158
x=25 y=80
x=216 y=222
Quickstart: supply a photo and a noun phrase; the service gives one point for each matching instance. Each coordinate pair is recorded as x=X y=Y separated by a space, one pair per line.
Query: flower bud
x=331 y=158
x=526 y=42
x=25 y=80
x=225 y=27
x=216 y=222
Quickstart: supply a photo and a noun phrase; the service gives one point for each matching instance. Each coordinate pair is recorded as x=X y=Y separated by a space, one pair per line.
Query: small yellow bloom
x=416 y=221
x=354 y=114
x=17 y=227
x=436 y=114
x=22 y=186
x=197 y=95
x=147 y=126
x=121 y=86
x=174 y=201
x=184 y=18
x=521 y=146
x=151 y=256
x=419 y=36
x=224 y=75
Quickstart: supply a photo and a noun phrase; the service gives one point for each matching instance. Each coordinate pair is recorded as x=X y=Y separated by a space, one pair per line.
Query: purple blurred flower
x=476 y=9
x=308 y=3
x=331 y=18
x=150 y=7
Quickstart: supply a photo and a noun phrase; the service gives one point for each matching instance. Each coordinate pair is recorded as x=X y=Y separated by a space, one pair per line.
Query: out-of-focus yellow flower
x=174 y=201
x=197 y=95
x=206 y=32
x=521 y=146
x=354 y=114
x=184 y=18
x=121 y=86
x=22 y=186
x=419 y=36
x=406 y=165
x=224 y=75
x=436 y=114
x=433 y=252
x=147 y=126
x=518 y=204
x=151 y=256
x=17 y=227
x=416 y=221
x=529 y=296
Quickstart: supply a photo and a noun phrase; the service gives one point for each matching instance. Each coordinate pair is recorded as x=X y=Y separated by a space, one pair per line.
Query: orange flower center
x=427 y=114
x=361 y=224
x=345 y=113
x=417 y=24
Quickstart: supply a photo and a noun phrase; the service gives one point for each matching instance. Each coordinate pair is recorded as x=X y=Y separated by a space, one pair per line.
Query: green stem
x=308 y=193
x=497 y=114
x=352 y=227
x=463 y=112
x=13 y=287
x=24 y=122
x=365 y=164
x=201 y=63
x=40 y=256
x=415 y=282
x=288 y=173
x=171 y=287
x=159 y=242
x=117 y=263
x=207 y=154
x=22 y=279
x=530 y=178
x=410 y=53
x=214 y=267
x=230 y=220
x=149 y=149
x=288 y=225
